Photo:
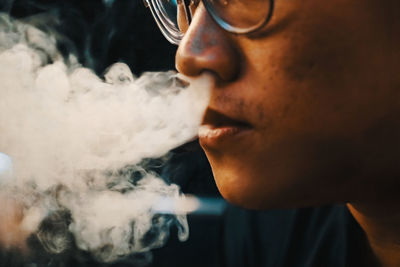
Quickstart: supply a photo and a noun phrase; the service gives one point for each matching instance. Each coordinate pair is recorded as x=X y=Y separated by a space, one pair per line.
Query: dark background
x=100 y=34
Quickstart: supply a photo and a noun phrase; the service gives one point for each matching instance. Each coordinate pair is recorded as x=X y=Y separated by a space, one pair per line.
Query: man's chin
x=242 y=190
x=251 y=189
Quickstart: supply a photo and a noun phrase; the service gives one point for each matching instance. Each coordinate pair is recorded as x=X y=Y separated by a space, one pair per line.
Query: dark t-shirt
x=327 y=237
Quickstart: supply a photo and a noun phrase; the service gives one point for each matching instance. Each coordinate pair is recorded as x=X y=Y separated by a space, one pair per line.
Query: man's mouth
x=217 y=129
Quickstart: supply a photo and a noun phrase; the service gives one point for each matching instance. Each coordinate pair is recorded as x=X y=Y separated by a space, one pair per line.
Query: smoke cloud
x=74 y=141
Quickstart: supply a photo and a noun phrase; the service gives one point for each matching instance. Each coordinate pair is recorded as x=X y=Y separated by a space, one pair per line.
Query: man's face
x=305 y=111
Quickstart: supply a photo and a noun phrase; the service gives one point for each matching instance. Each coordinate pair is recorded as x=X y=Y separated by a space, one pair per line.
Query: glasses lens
x=240 y=16
x=172 y=16
x=168 y=12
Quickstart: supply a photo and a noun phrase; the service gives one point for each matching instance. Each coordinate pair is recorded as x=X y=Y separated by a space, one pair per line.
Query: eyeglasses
x=173 y=17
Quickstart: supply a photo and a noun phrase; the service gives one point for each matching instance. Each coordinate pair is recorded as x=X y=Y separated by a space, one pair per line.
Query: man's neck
x=381 y=224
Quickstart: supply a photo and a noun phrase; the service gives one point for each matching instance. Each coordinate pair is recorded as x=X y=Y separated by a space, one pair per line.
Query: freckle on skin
x=241 y=106
x=260 y=112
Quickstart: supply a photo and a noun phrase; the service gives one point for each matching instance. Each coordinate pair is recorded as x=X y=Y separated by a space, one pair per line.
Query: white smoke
x=71 y=136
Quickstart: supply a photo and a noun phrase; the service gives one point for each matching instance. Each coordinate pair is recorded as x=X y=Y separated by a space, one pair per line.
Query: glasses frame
x=176 y=36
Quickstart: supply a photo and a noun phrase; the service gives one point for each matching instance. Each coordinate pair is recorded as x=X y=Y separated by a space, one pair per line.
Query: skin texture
x=319 y=87
x=318 y=91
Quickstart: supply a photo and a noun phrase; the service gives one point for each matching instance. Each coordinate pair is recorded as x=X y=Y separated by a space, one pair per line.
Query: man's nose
x=207 y=47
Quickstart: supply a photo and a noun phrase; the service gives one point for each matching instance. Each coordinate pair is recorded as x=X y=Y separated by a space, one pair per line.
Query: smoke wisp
x=75 y=140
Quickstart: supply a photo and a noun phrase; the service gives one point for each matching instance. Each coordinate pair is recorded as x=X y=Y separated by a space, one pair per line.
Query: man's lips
x=218 y=129
x=218 y=120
